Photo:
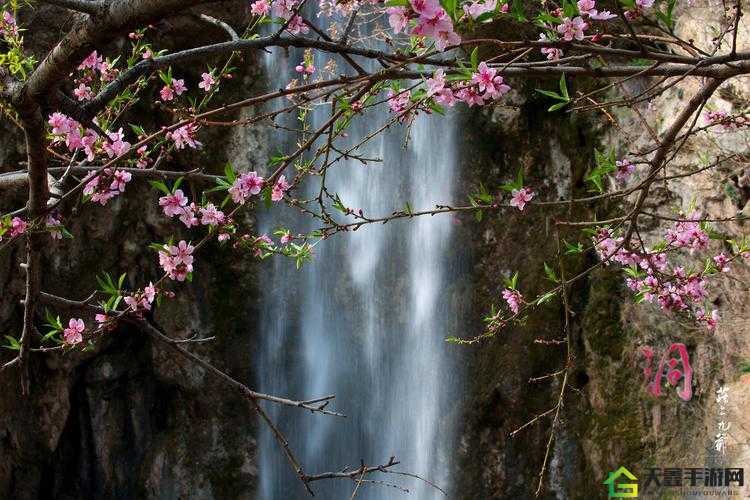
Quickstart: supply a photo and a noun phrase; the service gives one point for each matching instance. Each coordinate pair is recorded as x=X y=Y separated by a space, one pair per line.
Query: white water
x=366 y=320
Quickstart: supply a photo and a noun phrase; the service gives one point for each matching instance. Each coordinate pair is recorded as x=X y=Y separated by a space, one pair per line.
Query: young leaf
x=160 y=186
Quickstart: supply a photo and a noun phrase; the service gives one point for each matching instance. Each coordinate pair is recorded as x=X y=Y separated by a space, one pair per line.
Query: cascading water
x=366 y=319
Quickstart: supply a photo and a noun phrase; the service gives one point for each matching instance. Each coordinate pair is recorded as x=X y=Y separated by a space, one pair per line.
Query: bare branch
x=90 y=7
x=221 y=24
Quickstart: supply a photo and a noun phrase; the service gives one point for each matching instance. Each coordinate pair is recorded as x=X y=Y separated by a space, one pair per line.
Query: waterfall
x=367 y=318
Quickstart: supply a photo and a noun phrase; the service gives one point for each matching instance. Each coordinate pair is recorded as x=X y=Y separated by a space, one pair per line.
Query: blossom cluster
x=284 y=9
x=177 y=204
x=650 y=274
x=12 y=227
x=573 y=27
x=425 y=18
x=106 y=185
x=70 y=131
x=484 y=86
x=8 y=24
x=94 y=70
x=175 y=87
x=177 y=260
x=141 y=301
x=514 y=299
x=185 y=136
x=727 y=122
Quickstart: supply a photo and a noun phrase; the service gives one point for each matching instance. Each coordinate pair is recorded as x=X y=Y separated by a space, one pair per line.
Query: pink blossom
x=437 y=90
x=149 y=292
x=471 y=96
x=54 y=226
x=92 y=61
x=488 y=82
x=246 y=185
x=586 y=6
x=644 y=4
x=281 y=187
x=211 y=216
x=8 y=24
x=514 y=299
x=101 y=319
x=297 y=25
x=425 y=7
x=88 y=141
x=688 y=234
x=143 y=159
x=261 y=242
x=179 y=86
x=710 y=321
x=173 y=204
x=520 y=197
x=120 y=178
x=17 y=227
x=476 y=9
x=83 y=92
x=572 y=28
x=434 y=22
x=116 y=146
x=624 y=169
x=722 y=262
x=552 y=53
x=399 y=101
x=260 y=8
x=185 y=135
x=604 y=15
x=207 y=81
x=223 y=237
x=436 y=83
x=108 y=73
x=286 y=238
x=73 y=334
x=61 y=124
x=188 y=215
x=305 y=68
x=397 y=18
x=147 y=54
x=99 y=191
x=166 y=93
x=177 y=261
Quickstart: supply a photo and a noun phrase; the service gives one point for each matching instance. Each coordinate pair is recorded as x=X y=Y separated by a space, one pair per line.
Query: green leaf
x=229 y=173
x=570 y=9
x=551 y=274
x=397 y=3
x=177 y=184
x=475 y=58
x=545 y=298
x=571 y=249
x=564 y=87
x=551 y=94
x=13 y=344
x=557 y=106
x=517 y=10
x=159 y=185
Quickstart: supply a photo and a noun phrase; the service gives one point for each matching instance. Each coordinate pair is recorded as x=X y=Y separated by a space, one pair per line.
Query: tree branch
x=90 y=7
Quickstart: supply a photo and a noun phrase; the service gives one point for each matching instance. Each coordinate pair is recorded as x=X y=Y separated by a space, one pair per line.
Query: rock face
x=128 y=420
x=609 y=419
